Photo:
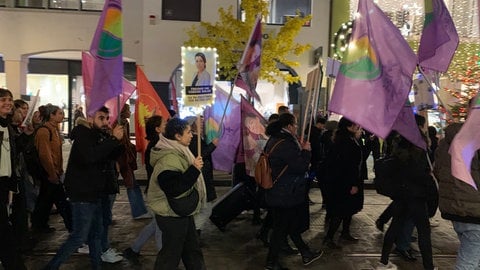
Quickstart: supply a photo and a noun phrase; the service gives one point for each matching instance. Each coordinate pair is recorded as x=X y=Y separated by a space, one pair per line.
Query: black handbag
x=385 y=181
x=287 y=193
x=186 y=204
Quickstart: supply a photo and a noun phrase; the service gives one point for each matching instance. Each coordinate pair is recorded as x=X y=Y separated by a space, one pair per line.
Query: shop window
x=93 y=4
x=29 y=3
x=280 y=10
x=64 y=4
x=181 y=10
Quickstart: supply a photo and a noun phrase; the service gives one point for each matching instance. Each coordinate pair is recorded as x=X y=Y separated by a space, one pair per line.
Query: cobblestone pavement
x=237 y=248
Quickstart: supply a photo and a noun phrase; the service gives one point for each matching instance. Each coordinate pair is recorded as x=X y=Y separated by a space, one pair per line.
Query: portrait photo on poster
x=199 y=71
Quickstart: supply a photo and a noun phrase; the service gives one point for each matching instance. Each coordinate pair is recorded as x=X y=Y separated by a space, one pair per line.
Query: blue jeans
x=468 y=256
x=147 y=232
x=87 y=228
x=135 y=197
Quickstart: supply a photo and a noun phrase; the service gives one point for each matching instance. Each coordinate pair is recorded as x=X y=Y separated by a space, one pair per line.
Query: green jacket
x=167 y=160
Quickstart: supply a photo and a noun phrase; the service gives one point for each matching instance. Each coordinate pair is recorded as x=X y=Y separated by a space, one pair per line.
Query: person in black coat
x=344 y=183
x=290 y=210
x=89 y=178
x=416 y=196
x=10 y=256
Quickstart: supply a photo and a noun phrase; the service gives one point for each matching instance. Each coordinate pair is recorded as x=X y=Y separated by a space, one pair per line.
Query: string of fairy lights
x=408 y=16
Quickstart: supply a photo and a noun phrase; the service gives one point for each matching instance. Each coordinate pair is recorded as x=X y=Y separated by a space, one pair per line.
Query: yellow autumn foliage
x=229 y=35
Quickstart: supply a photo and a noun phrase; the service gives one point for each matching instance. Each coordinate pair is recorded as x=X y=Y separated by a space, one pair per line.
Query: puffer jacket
x=458 y=200
x=172 y=175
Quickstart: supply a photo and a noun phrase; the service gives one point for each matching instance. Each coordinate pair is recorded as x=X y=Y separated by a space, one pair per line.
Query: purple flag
x=439 y=39
x=253 y=136
x=223 y=157
x=376 y=74
x=249 y=68
x=407 y=127
x=88 y=66
x=465 y=144
x=106 y=48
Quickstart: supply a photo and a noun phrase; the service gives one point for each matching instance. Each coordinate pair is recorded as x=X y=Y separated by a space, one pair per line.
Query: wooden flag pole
x=199 y=136
x=309 y=97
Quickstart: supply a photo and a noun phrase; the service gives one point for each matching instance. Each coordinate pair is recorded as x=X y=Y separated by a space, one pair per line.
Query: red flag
x=249 y=68
x=148 y=104
x=106 y=48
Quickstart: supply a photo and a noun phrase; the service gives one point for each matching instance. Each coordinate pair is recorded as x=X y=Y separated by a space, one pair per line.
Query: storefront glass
x=3 y=80
x=53 y=89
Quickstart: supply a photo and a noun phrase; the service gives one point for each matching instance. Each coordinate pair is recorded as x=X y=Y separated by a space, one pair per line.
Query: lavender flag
x=106 y=48
x=223 y=157
x=439 y=39
x=376 y=74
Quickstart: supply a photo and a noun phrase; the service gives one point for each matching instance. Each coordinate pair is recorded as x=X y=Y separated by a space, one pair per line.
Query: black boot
x=274 y=266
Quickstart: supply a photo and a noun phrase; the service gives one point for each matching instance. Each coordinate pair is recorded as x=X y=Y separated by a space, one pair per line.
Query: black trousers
x=285 y=223
x=334 y=223
x=51 y=194
x=387 y=214
x=416 y=209
x=9 y=253
x=179 y=241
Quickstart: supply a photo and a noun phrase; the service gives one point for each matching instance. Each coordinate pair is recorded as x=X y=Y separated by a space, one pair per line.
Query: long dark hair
x=150 y=127
x=283 y=121
x=342 y=134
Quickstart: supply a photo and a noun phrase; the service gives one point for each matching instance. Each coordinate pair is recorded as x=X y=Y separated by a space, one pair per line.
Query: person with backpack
x=287 y=198
x=48 y=143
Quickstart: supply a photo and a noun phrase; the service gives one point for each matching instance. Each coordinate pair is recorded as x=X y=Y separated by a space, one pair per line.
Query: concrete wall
x=26 y=32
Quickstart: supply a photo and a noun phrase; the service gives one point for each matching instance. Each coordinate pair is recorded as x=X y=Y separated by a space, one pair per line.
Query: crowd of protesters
x=180 y=189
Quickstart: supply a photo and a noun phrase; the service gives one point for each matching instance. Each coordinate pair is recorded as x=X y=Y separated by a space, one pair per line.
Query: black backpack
x=32 y=160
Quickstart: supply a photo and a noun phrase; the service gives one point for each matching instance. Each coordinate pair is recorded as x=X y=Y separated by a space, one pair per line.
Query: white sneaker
x=110 y=256
x=83 y=249
x=116 y=251
x=389 y=266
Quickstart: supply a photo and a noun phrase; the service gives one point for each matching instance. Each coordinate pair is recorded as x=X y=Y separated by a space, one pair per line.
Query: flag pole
x=119 y=110
x=434 y=90
x=199 y=134
x=302 y=131
x=228 y=101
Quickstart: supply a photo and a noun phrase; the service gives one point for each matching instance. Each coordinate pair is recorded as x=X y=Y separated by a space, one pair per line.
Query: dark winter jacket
x=414 y=175
x=342 y=173
x=207 y=169
x=458 y=200
x=288 y=153
x=91 y=163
